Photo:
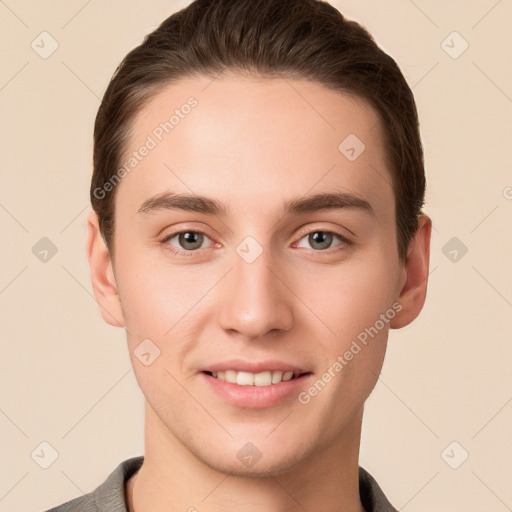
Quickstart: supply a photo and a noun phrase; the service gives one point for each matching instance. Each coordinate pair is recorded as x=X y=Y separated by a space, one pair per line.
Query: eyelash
x=344 y=245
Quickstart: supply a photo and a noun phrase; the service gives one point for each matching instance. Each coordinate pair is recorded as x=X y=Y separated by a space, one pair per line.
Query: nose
x=255 y=298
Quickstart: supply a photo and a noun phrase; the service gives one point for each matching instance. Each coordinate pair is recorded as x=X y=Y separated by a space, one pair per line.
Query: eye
x=322 y=239
x=188 y=242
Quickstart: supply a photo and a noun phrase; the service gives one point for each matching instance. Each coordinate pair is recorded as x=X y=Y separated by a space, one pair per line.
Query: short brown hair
x=307 y=39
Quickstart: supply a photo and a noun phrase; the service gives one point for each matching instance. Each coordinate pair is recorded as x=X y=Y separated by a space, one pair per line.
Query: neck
x=172 y=478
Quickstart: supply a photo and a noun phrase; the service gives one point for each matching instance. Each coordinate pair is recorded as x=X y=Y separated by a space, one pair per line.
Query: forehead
x=253 y=137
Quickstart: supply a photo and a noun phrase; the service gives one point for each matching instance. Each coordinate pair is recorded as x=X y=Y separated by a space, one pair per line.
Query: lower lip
x=256 y=396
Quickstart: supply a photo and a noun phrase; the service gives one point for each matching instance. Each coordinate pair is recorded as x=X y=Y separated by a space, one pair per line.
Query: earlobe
x=102 y=274
x=416 y=267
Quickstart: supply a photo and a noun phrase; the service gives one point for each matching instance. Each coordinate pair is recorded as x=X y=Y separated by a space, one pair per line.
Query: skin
x=253 y=144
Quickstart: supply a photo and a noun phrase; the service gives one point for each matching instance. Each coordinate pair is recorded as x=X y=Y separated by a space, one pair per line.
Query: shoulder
x=81 y=504
x=372 y=496
x=108 y=496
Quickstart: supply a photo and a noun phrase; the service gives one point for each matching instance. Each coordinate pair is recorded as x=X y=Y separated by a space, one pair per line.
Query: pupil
x=188 y=238
x=321 y=237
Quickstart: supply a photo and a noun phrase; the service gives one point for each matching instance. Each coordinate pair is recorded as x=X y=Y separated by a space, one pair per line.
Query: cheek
x=348 y=298
x=162 y=303
x=351 y=337
x=155 y=296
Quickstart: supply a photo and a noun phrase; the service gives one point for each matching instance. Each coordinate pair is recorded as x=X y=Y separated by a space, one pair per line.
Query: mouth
x=264 y=378
x=263 y=389
x=257 y=384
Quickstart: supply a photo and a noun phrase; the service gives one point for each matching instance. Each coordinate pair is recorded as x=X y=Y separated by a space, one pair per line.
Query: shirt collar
x=110 y=496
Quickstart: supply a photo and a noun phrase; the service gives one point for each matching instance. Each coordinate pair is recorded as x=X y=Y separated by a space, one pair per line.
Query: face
x=256 y=276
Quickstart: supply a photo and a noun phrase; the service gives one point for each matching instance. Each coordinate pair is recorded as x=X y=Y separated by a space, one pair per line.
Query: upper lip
x=254 y=366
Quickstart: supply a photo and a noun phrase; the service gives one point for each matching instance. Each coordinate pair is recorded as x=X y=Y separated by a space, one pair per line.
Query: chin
x=255 y=460
x=261 y=469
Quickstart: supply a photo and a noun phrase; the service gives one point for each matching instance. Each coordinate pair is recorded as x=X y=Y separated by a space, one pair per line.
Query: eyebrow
x=202 y=204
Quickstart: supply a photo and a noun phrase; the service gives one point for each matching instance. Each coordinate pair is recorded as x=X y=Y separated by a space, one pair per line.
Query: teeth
x=287 y=375
x=245 y=378
x=277 y=377
x=230 y=376
x=253 y=379
x=263 y=379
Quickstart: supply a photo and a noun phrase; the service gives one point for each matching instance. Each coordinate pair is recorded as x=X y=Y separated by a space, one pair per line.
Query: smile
x=265 y=378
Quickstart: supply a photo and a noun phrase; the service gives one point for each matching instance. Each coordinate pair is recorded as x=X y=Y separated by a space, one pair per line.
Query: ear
x=415 y=275
x=102 y=274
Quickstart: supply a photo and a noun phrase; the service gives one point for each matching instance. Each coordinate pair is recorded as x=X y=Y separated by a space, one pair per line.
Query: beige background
x=66 y=375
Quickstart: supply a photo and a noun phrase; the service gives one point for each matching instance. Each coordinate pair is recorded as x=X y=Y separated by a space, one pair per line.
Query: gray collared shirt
x=110 y=495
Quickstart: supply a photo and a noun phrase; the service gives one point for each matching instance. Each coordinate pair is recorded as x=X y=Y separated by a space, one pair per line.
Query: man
x=257 y=230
